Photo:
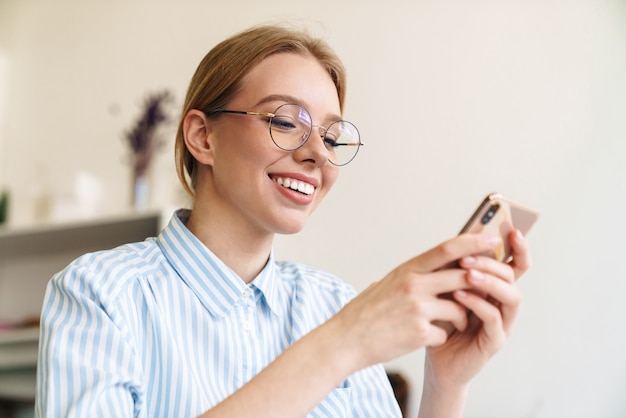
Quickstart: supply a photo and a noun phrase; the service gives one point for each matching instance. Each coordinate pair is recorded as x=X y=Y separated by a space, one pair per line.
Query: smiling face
x=245 y=177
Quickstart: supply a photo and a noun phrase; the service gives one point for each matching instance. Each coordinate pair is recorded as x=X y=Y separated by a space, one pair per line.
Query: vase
x=141 y=192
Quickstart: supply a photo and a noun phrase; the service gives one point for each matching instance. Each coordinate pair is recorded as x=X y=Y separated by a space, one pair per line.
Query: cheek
x=246 y=148
x=332 y=176
x=331 y=173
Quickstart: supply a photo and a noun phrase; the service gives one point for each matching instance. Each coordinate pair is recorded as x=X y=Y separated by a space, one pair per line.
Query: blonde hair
x=219 y=76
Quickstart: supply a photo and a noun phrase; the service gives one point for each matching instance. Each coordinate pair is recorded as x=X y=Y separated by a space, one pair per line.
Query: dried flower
x=142 y=138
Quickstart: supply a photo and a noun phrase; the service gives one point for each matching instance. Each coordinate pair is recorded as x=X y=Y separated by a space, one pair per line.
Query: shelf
x=18 y=363
x=12 y=336
x=29 y=257
x=18 y=349
x=18 y=385
x=81 y=236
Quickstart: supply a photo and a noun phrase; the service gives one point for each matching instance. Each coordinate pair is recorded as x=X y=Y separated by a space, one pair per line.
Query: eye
x=330 y=141
x=283 y=123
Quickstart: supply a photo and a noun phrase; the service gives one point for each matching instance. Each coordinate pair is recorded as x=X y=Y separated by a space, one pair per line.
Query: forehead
x=289 y=74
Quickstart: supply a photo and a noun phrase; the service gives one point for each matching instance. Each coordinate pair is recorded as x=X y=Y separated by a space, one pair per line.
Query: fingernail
x=476 y=276
x=468 y=261
x=519 y=235
x=461 y=293
x=493 y=241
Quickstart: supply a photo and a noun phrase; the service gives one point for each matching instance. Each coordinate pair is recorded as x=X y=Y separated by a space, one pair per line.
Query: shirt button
x=247 y=326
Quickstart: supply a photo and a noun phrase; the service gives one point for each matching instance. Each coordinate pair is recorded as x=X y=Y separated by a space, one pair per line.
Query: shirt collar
x=268 y=283
x=215 y=284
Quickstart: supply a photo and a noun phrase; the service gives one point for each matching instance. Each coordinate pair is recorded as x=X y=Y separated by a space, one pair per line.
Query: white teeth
x=297 y=185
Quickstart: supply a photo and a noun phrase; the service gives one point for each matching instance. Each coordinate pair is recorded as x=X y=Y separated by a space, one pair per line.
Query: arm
x=86 y=367
x=390 y=318
x=494 y=304
x=296 y=381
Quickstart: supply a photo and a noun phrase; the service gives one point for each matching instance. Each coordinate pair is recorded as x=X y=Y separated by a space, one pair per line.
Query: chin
x=289 y=225
x=291 y=229
x=289 y=221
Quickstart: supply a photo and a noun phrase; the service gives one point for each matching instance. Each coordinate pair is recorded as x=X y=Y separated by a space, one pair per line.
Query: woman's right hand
x=392 y=317
x=404 y=311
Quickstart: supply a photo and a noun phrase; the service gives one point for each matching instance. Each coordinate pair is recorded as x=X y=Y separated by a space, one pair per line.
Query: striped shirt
x=163 y=328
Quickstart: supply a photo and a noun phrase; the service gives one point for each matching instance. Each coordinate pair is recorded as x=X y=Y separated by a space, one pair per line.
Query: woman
x=202 y=321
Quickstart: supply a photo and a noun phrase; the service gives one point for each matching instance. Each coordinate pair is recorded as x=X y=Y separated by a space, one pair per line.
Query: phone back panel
x=498 y=215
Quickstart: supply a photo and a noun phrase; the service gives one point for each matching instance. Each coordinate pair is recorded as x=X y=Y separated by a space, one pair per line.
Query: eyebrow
x=294 y=100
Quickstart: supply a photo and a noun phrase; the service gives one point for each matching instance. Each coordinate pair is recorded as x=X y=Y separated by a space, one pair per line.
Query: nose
x=314 y=149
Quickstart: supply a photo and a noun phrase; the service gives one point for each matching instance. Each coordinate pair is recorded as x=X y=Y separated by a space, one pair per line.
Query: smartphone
x=499 y=215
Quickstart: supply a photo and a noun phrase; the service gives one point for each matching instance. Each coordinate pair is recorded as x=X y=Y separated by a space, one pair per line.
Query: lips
x=294 y=184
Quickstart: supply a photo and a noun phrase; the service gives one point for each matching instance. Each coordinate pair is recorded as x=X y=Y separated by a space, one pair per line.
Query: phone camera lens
x=490 y=213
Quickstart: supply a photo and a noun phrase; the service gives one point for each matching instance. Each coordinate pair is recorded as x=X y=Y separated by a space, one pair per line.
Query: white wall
x=454 y=100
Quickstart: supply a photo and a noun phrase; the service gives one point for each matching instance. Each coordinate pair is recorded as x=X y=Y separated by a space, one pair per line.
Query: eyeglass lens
x=291 y=126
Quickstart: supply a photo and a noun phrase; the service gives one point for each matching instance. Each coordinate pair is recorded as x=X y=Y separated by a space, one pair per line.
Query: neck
x=245 y=251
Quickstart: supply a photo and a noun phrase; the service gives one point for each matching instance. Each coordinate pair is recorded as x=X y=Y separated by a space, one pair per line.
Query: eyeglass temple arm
x=270 y=115
x=241 y=112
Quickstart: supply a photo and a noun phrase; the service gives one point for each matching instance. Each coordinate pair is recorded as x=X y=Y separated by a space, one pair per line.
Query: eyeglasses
x=291 y=125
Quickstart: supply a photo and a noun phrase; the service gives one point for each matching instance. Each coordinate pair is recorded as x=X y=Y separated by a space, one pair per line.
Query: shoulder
x=108 y=273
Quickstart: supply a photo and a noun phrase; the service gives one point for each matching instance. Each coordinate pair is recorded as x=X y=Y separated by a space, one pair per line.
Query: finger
x=452 y=250
x=490 y=316
x=501 y=290
x=449 y=315
x=438 y=336
x=520 y=253
x=448 y=327
x=438 y=283
x=490 y=266
x=502 y=295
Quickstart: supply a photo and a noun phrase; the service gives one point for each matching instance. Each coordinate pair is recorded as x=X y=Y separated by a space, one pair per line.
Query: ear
x=197 y=134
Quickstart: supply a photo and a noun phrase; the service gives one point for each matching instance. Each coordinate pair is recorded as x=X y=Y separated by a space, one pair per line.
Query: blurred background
x=453 y=100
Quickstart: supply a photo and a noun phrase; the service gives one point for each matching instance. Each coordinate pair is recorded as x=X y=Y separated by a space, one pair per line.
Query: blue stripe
x=162 y=328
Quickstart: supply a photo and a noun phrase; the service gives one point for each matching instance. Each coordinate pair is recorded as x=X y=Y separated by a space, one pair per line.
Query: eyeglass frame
x=272 y=115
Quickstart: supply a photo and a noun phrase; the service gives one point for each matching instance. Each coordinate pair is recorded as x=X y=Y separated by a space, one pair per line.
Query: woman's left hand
x=493 y=303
